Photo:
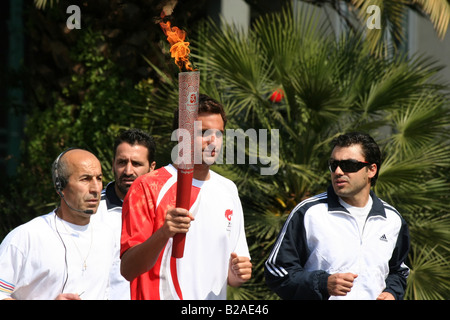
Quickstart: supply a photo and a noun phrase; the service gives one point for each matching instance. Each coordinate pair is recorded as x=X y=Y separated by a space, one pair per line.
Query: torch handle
x=184 y=181
x=188 y=88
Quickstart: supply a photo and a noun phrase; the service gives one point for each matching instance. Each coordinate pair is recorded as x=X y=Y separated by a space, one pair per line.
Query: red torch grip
x=184 y=184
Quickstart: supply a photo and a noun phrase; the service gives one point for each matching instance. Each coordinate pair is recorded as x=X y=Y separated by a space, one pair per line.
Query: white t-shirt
x=359 y=213
x=211 y=239
x=48 y=256
x=109 y=214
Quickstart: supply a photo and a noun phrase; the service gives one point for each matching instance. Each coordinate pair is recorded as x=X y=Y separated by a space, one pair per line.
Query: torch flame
x=179 y=48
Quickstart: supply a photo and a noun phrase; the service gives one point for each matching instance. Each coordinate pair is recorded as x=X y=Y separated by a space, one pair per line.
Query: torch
x=188 y=91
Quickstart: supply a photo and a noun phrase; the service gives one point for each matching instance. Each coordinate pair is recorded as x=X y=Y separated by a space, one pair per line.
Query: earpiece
x=60 y=182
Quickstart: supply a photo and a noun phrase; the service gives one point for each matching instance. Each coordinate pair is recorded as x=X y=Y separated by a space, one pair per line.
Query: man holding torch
x=215 y=253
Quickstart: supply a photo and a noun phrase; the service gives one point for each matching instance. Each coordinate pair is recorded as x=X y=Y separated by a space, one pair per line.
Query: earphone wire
x=65 y=255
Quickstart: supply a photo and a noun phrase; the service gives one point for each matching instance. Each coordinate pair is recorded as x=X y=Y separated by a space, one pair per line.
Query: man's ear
x=372 y=170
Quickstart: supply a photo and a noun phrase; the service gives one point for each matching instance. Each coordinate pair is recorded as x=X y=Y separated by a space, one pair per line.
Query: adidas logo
x=383 y=238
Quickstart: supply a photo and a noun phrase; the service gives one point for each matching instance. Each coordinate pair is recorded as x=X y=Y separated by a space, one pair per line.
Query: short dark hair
x=370 y=149
x=206 y=104
x=137 y=136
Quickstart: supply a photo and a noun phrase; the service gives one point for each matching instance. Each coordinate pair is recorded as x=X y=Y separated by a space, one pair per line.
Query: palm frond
x=430 y=230
x=411 y=179
x=42 y=4
x=429 y=275
x=439 y=12
x=391 y=18
x=417 y=125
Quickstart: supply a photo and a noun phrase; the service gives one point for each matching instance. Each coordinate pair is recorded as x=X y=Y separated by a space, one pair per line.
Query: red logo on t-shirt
x=193 y=98
x=228 y=214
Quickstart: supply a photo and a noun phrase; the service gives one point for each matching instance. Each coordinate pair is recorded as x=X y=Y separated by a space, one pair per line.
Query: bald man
x=61 y=255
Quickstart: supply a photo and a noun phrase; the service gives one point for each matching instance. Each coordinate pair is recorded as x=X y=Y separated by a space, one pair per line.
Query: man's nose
x=128 y=168
x=96 y=186
x=339 y=171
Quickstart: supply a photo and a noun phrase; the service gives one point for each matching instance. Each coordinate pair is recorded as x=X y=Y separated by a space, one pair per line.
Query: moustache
x=128 y=177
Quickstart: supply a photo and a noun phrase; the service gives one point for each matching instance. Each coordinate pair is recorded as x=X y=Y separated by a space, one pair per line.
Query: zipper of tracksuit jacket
x=357 y=228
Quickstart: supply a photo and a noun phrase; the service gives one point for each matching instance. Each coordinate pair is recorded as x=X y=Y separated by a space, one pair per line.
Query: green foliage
x=81 y=88
x=90 y=112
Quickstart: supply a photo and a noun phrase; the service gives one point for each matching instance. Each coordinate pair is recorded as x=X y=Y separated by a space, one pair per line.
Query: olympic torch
x=188 y=91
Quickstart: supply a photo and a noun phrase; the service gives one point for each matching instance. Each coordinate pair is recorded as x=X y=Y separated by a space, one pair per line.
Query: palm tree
x=392 y=17
x=330 y=87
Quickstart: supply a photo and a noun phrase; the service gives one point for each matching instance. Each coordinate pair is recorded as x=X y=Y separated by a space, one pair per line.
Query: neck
x=201 y=172
x=64 y=213
x=359 y=201
x=119 y=194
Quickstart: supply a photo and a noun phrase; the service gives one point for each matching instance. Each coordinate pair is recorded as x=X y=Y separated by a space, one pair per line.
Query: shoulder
x=223 y=185
x=159 y=175
x=217 y=178
x=38 y=224
x=308 y=207
x=36 y=227
x=389 y=207
x=314 y=201
x=391 y=211
x=147 y=189
x=109 y=197
x=153 y=180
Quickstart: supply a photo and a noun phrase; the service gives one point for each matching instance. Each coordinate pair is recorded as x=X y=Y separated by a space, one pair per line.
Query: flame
x=179 y=48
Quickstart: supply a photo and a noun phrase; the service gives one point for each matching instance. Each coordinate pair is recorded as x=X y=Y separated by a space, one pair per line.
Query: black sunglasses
x=347 y=165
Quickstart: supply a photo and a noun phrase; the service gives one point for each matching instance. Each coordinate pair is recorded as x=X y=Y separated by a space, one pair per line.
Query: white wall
x=235 y=12
x=422 y=39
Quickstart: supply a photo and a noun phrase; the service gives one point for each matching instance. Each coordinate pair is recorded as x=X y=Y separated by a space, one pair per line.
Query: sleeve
x=11 y=262
x=398 y=271
x=138 y=216
x=284 y=269
x=241 y=246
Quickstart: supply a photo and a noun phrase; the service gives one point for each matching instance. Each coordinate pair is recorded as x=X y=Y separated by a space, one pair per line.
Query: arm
x=284 y=269
x=12 y=261
x=142 y=257
x=398 y=271
x=239 y=267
